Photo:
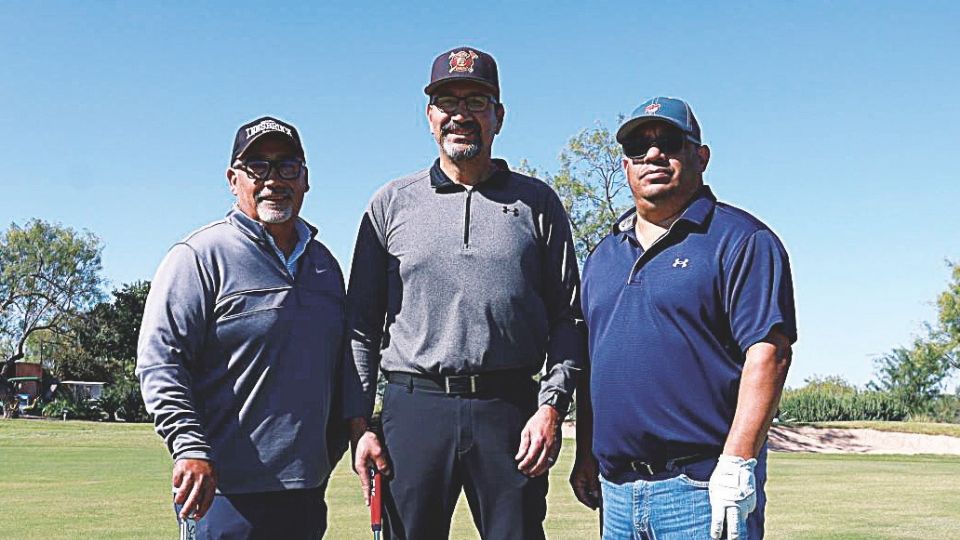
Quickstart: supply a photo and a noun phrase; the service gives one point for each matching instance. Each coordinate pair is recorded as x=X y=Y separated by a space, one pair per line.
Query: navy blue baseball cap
x=666 y=109
x=262 y=127
x=464 y=64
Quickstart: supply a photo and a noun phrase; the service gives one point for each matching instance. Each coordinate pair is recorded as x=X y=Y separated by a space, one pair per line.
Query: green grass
x=90 y=480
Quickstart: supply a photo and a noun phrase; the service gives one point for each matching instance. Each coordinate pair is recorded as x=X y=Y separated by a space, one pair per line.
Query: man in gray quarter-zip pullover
x=463 y=285
x=242 y=358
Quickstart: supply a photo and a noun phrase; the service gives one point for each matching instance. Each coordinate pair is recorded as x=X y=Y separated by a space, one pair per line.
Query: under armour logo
x=508 y=210
x=682 y=263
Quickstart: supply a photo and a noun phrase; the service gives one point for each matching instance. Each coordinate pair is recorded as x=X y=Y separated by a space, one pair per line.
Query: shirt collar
x=697 y=213
x=255 y=230
x=441 y=182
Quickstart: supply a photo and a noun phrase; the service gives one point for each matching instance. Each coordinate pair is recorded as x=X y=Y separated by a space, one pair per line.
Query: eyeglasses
x=475 y=103
x=669 y=142
x=287 y=169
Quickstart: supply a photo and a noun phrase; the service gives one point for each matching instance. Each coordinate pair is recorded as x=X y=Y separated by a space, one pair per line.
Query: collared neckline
x=697 y=212
x=255 y=230
x=440 y=181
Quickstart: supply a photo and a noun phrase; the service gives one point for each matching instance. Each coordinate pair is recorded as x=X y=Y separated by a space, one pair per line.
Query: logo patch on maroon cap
x=462 y=61
x=652 y=108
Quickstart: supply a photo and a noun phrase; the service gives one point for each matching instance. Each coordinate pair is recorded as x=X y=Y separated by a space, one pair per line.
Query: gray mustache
x=451 y=125
x=284 y=192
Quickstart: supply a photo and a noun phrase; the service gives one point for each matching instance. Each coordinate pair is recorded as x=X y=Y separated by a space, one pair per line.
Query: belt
x=461 y=385
x=653 y=468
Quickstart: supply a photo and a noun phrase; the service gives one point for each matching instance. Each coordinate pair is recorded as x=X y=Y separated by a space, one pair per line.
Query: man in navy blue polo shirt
x=690 y=311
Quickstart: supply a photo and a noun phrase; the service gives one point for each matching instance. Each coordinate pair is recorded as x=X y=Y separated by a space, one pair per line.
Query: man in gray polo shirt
x=242 y=353
x=463 y=284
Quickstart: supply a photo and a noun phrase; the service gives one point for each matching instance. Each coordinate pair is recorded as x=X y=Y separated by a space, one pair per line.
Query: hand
x=733 y=495
x=195 y=481
x=369 y=453
x=584 y=479
x=539 y=442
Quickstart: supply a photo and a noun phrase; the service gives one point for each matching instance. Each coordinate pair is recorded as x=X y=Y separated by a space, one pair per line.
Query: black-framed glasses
x=287 y=169
x=669 y=142
x=474 y=103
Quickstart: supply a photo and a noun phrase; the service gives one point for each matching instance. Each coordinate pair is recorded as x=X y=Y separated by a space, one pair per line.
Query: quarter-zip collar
x=697 y=213
x=254 y=229
x=440 y=182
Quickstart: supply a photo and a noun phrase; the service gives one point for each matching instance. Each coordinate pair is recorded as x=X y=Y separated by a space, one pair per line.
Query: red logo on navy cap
x=462 y=61
x=652 y=108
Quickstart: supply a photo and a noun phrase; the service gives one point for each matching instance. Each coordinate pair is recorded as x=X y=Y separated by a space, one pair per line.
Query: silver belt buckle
x=642 y=467
x=472 y=378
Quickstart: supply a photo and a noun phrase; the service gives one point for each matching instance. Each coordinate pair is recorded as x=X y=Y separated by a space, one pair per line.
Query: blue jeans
x=672 y=506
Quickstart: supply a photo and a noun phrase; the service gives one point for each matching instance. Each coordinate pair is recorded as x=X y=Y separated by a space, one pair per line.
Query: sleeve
x=347 y=401
x=171 y=338
x=353 y=401
x=367 y=300
x=566 y=346
x=759 y=291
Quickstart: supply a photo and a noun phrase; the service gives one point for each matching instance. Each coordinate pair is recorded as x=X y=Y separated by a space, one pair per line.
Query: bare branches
x=590 y=183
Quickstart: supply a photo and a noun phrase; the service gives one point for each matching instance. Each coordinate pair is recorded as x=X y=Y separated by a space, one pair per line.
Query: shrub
x=75 y=408
x=111 y=400
x=132 y=408
x=818 y=402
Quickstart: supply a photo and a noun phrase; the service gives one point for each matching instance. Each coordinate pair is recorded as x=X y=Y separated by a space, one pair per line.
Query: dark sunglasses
x=475 y=103
x=287 y=169
x=669 y=142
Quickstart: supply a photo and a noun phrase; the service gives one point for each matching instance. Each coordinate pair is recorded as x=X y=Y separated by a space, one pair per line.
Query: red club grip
x=376 y=494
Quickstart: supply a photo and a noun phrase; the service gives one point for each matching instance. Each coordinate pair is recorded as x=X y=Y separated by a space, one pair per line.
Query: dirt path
x=856 y=441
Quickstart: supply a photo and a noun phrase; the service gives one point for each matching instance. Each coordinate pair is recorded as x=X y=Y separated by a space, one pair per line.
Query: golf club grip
x=376 y=495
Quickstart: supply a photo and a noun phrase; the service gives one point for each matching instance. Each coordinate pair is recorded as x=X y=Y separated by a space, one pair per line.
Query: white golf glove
x=733 y=495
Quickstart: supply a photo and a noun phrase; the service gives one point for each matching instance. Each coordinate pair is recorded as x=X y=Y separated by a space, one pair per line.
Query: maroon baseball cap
x=464 y=64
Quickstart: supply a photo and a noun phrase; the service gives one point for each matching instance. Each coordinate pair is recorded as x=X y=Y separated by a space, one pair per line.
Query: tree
x=916 y=374
x=110 y=330
x=107 y=337
x=591 y=185
x=49 y=276
x=948 y=305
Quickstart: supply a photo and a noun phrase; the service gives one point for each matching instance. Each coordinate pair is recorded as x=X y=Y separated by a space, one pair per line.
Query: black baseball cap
x=262 y=127
x=464 y=64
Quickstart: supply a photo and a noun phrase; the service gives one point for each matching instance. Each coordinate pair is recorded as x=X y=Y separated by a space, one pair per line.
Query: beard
x=461 y=151
x=275 y=211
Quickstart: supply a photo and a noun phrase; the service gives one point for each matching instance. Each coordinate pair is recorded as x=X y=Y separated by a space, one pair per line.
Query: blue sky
x=831 y=121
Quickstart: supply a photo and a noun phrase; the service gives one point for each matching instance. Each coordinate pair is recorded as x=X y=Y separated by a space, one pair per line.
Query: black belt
x=462 y=385
x=653 y=468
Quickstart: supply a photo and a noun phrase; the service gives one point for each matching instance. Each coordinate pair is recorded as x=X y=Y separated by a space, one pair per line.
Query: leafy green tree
x=591 y=185
x=49 y=276
x=916 y=374
x=109 y=331
x=105 y=349
x=949 y=309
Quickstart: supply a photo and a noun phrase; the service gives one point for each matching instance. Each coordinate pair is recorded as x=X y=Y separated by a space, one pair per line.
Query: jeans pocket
x=699 y=484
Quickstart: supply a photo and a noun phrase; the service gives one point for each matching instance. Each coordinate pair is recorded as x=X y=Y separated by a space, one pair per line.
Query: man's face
x=672 y=168
x=271 y=199
x=463 y=134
